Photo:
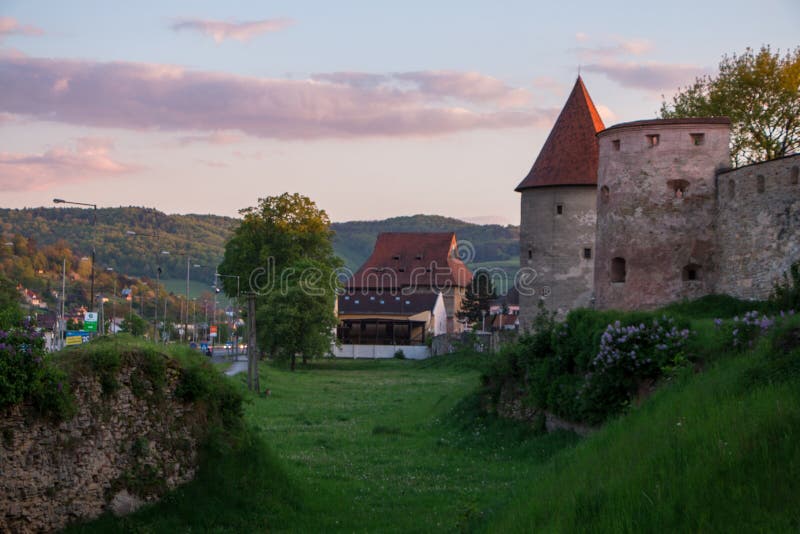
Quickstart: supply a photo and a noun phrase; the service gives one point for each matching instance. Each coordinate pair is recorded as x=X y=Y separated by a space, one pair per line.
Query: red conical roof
x=569 y=156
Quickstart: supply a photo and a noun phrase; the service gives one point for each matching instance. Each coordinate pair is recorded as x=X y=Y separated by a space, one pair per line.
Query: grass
x=177 y=286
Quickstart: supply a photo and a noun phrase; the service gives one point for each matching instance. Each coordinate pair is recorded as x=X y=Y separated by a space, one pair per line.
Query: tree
x=477 y=298
x=759 y=92
x=10 y=312
x=282 y=251
x=135 y=325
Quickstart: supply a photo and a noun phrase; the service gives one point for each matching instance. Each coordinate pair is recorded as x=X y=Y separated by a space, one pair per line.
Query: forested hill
x=491 y=242
x=203 y=237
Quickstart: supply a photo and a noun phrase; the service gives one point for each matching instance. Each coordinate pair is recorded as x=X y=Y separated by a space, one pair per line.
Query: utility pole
x=62 y=323
x=252 y=353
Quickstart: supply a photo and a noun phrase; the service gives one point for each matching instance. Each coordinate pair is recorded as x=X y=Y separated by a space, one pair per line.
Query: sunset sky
x=373 y=109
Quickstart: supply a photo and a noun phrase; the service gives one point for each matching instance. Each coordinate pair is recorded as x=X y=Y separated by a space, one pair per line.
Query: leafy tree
x=10 y=313
x=135 y=325
x=759 y=92
x=282 y=251
x=478 y=297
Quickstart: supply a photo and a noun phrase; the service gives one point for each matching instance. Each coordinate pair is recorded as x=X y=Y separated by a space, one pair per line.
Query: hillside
x=203 y=237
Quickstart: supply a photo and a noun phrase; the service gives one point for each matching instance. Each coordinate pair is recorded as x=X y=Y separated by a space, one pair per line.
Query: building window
x=530 y=253
x=419 y=256
x=396 y=258
x=761 y=183
x=731 y=189
x=618 y=270
x=605 y=193
x=698 y=139
x=652 y=140
x=795 y=175
x=587 y=253
x=616 y=144
x=678 y=187
x=559 y=209
x=691 y=273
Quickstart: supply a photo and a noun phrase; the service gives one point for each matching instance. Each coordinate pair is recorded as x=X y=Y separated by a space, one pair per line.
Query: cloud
x=248 y=155
x=164 y=97
x=581 y=37
x=241 y=31
x=608 y=116
x=214 y=138
x=10 y=26
x=622 y=47
x=649 y=76
x=212 y=164
x=437 y=85
x=59 y=166
x=551 y=85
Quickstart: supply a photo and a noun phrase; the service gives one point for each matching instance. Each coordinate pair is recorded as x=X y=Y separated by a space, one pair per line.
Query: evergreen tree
x=478 y=297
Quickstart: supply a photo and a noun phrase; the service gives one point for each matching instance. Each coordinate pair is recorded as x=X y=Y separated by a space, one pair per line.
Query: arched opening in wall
x=618 y=270
x=605 y=193
x=761 y=183
x=691 y=272
x=731 y=189
x=795 y=175
x=616 y=144
x=678 y=188
x=653 y=140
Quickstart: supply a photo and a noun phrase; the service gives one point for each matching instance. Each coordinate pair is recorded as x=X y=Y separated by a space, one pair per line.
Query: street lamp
x=94 y=237
x=186 y=318
x=158 y=278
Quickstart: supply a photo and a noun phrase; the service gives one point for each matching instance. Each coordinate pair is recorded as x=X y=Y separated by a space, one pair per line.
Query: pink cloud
x=163 y=97
x=214 y=138
x=248 y=155
x=58 y=166
x=212 y=164
x=649 y=76
x=241 y=31
x=440 y=85
x=10 y=26
x=551 y=85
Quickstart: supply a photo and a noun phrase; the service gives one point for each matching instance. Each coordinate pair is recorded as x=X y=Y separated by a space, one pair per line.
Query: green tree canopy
x=759 y=92
x=477 y=298
x=282 y=251
x=10 y=313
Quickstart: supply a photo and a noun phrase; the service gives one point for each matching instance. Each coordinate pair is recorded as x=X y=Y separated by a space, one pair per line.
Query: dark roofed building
x=416 y=263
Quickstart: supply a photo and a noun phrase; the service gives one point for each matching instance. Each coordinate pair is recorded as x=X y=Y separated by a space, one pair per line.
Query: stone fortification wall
x=655 y=211
x=556 y=231
x=122 y=448
x=758 y=226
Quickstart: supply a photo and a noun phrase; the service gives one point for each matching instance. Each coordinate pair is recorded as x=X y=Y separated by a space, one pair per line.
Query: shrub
x=399 y=354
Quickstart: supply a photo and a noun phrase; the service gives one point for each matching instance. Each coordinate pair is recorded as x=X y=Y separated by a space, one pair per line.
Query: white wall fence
x=412 y=352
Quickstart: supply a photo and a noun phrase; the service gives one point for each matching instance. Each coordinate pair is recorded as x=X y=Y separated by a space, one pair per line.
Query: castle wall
x=553 y=244
x=655 y=211
x=758 y=226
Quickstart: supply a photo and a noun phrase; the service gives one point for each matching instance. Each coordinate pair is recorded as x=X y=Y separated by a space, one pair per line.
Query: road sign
x=213 y=332
x=90 y=321
x=76 y=337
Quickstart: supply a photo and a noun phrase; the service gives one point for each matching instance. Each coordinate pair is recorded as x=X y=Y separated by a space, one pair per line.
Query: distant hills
x=203 y=237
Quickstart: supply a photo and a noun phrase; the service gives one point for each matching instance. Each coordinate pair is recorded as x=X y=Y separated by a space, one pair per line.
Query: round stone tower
x=557 y=222
x=655 y=210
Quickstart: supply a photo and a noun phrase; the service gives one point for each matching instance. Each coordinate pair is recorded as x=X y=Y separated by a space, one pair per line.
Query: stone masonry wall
x=758 y=226
x=552 y=244
x=118 y=450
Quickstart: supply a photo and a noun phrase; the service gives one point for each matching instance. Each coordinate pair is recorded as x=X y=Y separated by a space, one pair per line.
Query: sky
x=372 y=109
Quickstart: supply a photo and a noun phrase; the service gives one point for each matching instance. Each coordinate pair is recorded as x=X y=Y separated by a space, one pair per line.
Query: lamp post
x=189 y=266
x=113 y=299
x=94 y=238
x=158 y=278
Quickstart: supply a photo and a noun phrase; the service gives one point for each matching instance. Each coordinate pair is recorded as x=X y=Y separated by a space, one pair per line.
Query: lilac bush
x=742 y=332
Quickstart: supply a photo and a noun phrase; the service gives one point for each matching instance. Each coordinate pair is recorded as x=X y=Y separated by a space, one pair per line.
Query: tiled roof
x=386 y=303
x=413 y=259
x=570 y=154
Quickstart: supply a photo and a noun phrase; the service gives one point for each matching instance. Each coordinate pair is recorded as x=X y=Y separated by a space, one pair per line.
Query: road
x=238 y=363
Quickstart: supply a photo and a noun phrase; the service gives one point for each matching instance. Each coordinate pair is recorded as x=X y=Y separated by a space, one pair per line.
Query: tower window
x=615 y=144
x=652 y=140
x=396 y=257
x=618 y=270
x=678 y=187
x=559 y=209
x=761 y=183
x=587 y=253
x=530 y=253
x=605 y=193
x=698 y=138
x=795 y=175
x=731 y=189
x=691 y=273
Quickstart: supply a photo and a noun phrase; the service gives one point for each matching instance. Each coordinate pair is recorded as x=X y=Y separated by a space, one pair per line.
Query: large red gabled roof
x=570 y=154
x=405 y=259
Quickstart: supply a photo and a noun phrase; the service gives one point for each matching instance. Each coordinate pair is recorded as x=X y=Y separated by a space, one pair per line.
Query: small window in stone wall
x=618 y=270
x=761 y=183
x=616 y=144
x=652 y=140
x=691 y=273
x=530 y=253
x=678 y=187
x=587 y=253
x=559 y=209
x=731 y=189
x=698 y=138
x=795 y=175
x=605 y=193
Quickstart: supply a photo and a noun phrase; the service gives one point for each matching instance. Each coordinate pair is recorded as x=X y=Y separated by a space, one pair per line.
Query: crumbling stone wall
x=557 y=225
x=655 y=211
x=119 y=450
x=758 y=226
